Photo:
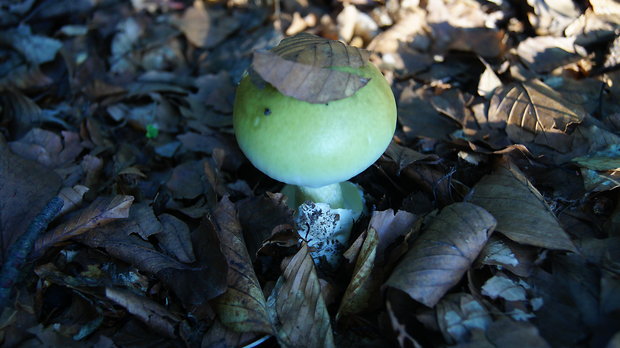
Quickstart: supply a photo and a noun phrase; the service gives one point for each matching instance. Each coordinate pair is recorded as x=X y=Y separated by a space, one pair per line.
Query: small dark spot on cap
x=267 y=112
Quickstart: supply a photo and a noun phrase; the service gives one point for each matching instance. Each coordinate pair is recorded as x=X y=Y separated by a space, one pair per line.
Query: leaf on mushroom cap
x=301 y=67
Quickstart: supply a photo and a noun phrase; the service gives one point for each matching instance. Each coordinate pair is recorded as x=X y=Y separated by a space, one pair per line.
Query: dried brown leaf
x=193 y=284
x=405 y=156
x=443 y=253
x=302 y=67
x=25 y=188
x=259 y=216
x=195 y=24
x=100 y=212
x=531 y=112
x=153 y=314
x=48 y=148
x=419 y=118
x=187 y=180
x=72 y=197
x=243 y=307
x=517 y=258
x=521 y=212
x=390 y=227
x=545 y=53
x=460 y=314
x=503 y=287
x=175 y=238
x=298 y=308
x=365 y=281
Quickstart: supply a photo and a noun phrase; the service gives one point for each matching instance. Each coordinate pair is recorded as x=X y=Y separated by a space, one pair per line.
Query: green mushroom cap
x=314 y=145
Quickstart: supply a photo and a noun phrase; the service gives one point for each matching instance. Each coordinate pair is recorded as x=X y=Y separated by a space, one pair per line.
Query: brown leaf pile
x=493 y=217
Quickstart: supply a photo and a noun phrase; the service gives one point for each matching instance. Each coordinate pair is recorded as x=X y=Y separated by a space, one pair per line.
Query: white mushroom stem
x=330 y=194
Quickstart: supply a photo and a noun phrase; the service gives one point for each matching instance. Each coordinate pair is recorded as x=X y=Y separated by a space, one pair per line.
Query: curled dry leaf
x=443 y=253
x=532 y=112
x=243 y=307
x=365 y=281
x=514 y=257
x=72 y=197
x=100 y=212
x=391 y=226
x=521 y=212
x=297 y=306
x=305 y=67
x=154 y=315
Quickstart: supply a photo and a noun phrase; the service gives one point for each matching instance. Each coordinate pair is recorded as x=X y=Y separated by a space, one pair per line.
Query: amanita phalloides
x=313 y=113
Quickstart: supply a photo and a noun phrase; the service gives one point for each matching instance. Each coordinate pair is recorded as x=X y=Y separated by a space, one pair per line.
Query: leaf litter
x=493 y=218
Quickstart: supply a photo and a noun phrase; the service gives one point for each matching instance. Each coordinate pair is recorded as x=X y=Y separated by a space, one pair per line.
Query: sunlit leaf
x=297 y=305
x=443 y=253
x=531 y=112
x=303 y=67
x=243 y=307
x=521 y=212
x=365 y=281
x=102 y=211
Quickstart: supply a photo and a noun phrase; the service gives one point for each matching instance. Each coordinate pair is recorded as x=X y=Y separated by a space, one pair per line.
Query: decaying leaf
x=243 y=307
x=531 y=112
x=365 y=281
x=405 y=156
x=298 y=310
x=390 y=226
x=48 y=148
x=460 y=314
x=304 y=67
x=150 y=312
x=102 y=211
x=503 y=287
x=517 y=258
x=192 y=283
x=443 y=253
x=175 y=238
x=72 y=197
x=521 y=212
x=545 y=53
x=195 y=24
x=259 y=216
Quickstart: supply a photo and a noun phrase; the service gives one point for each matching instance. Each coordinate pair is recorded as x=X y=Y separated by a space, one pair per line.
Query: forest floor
x=493 y=218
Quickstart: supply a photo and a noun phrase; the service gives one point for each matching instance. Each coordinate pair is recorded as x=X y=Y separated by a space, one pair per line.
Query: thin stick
x=22 y=247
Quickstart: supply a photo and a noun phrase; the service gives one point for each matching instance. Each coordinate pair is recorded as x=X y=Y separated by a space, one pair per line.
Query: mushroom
x=315 y=147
